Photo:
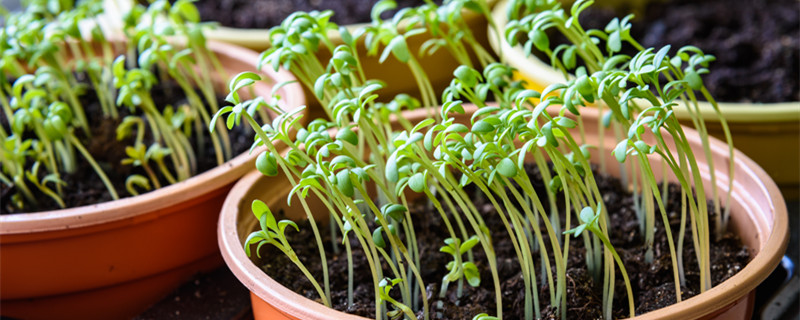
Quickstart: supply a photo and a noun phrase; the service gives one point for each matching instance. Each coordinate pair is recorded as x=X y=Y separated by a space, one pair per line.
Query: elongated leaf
x=620 y=151
x=344 y=184
x=377 y=238
x=392 y=173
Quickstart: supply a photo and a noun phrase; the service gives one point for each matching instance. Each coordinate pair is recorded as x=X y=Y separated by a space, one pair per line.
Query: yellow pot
x=768 y=133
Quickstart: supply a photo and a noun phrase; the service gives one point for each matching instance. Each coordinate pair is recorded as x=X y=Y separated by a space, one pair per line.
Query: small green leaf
x=472 y=274
x=319 y=86
x=585 y=87
x=267 y=164
x=286 y=223
x=547 y=131
x=243 y=79
x=540 y=40
x=569 y=58
x=456 y=127
x=259 y=208
x=484 y=316
x=395 y=211
x=346 y=134
x=447 y=249
x=694 y=80
x=641 y=146
x=417 y=182
x=254 y=237
x=621 y=150
x=398 y=47
x=466 y=75
x=587 y=214
x=507 y=168
x=567 y=122
x=469 y=244
x=380 y=7
x=344 y=184
x=482 y=127
x=423 y=124
x=377 y=238
x=614 y=42
x=392 y=172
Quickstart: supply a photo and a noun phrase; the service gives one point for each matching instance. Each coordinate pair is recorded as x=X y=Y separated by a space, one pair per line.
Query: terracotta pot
x=115 y=259
x=758 y=216
x=395 y=74
x=768 y=133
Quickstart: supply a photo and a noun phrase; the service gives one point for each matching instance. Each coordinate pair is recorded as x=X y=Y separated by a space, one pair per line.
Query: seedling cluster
x=366 y=162
x=57 y=61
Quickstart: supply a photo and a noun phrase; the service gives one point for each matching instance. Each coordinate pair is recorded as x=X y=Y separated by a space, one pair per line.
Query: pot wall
x=758 y=216
x=115 y=259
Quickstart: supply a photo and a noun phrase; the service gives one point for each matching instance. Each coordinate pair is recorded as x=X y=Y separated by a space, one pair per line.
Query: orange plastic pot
x=768 y=133
x=114 y=259
x=759 y=217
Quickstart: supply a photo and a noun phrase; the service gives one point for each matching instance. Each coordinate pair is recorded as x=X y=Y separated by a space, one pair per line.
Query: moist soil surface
x=261 y=14
x=652 y=283
x=756 y=43
x=84 y=187
x=217 y=295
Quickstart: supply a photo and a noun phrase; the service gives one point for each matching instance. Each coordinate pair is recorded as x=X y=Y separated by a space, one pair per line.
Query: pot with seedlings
x=391 y=70
x=759 y=129
x=111 y=183
x=488 y=210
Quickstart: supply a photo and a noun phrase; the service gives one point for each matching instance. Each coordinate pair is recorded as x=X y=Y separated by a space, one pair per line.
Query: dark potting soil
x=217 y=295
x=268 y=13
x=653 y=285
x=756 y=42
x=84 y=186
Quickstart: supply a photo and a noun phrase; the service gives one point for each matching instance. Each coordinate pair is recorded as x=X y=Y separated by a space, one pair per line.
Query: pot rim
x=532 y=68
x=746 y=280
x=194 y=187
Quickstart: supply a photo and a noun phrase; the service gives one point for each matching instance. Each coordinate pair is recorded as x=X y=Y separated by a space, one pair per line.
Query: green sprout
x=458 y=268
x=589 y=221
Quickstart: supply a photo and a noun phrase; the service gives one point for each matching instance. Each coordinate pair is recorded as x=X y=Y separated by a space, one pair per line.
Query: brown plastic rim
x=759 y=217
x=762 y=131
x=127 y=253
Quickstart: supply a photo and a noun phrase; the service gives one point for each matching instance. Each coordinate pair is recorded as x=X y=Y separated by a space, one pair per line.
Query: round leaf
x=267 y=164
x=507 y=168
